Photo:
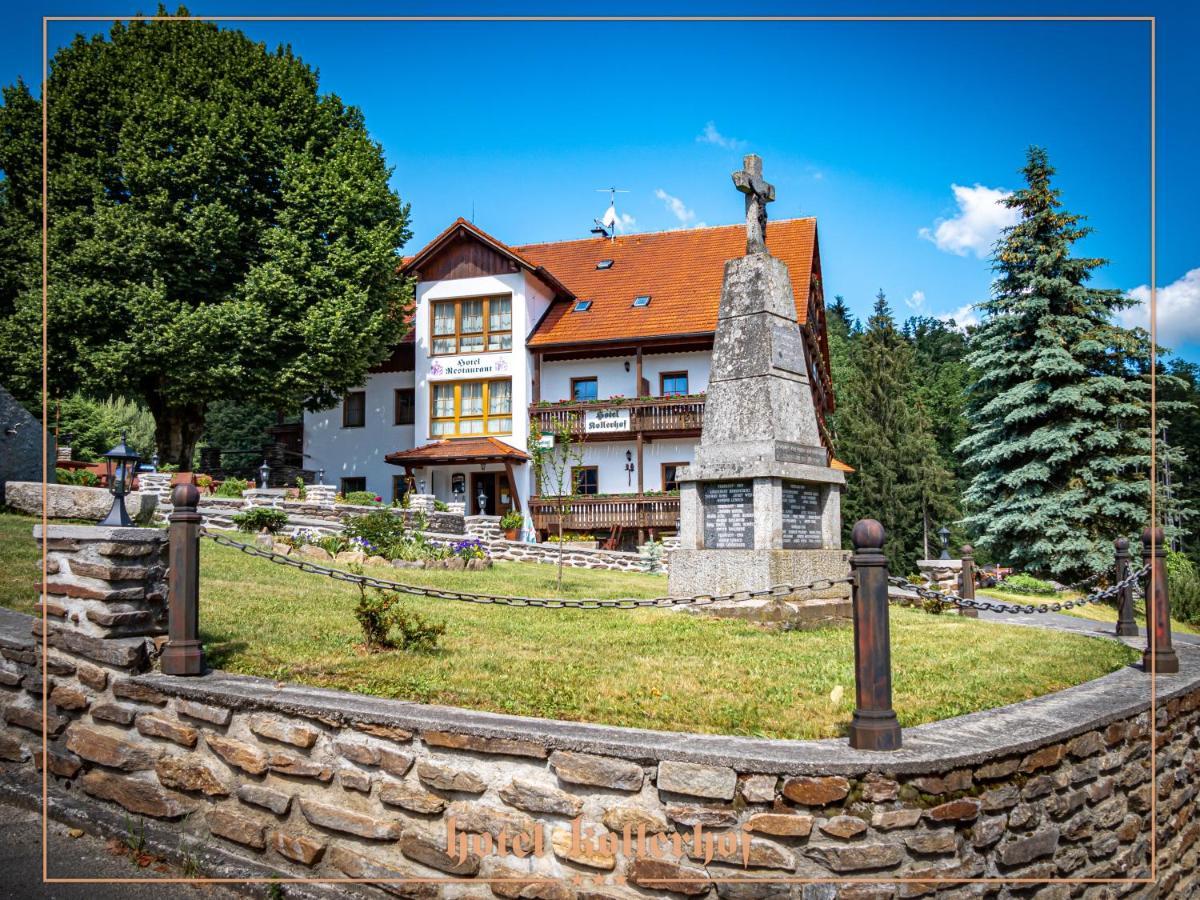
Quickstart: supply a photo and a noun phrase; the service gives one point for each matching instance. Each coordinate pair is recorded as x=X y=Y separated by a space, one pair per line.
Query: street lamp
x=944 y=534
x=420 y=485
x=482 y=498
x=119 y=464
x=320 y=476
x=154 y=461
x=263 y=471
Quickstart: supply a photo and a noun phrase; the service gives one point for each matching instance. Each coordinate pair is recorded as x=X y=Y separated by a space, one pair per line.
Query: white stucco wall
x=613 y=381
x=358 y=452
x=609 y=458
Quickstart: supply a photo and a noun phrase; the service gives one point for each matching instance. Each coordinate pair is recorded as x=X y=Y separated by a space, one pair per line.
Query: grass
x=19 y=562
x=1095 y=612
x=644 y=668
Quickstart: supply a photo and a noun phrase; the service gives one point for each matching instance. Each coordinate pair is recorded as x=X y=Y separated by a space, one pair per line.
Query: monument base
x=726 y=571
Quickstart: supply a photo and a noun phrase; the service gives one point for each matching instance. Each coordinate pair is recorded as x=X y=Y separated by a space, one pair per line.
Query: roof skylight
x=604 y=264
x=583 y=305
x=641 y=300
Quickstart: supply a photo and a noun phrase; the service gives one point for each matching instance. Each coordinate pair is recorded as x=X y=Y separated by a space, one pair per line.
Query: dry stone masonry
x=273 y=779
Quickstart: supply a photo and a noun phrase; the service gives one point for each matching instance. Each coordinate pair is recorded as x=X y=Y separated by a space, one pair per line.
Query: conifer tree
x=1059 y=445
x=885 y=434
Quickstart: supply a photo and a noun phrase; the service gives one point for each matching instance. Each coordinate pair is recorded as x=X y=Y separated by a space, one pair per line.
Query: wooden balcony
x=627 y=510
x=620 y=418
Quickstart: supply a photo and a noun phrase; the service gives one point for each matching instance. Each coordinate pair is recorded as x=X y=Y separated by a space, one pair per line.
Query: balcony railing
x=628 y=510
x=649 y=415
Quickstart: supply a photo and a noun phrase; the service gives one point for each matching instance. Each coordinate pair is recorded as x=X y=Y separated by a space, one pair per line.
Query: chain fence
x=1103 y=595
x=778 y=590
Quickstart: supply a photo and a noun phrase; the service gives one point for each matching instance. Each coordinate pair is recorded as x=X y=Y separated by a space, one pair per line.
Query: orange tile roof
x=456 y=450
x=840 y=466
x=681 y=270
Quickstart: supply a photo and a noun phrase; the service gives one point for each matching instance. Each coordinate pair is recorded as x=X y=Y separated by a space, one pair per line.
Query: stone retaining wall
x=297 y=781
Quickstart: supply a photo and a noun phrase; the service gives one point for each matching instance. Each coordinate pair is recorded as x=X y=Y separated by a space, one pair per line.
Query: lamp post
x=119 y=463
x=263 y=472
x=481 y=500
x=154 y=461
x=320 y=476
x=420 y=485
x=944 y=534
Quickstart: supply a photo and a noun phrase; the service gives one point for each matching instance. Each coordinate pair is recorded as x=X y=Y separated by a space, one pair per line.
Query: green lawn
x=20 y=567
x=647 y=668
x=1096 y=612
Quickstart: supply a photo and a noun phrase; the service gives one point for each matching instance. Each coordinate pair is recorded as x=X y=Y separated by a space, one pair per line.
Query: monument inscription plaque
x=801 y=516
x=728 y=515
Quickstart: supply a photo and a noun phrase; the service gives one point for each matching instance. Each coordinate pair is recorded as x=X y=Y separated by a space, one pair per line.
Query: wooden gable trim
x=463 y=255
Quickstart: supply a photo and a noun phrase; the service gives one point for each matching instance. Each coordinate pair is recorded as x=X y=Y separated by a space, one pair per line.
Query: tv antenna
x=607 y=227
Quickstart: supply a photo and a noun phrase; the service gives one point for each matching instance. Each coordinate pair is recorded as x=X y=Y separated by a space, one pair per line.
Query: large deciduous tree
x=1059 y=447
x=218 y=229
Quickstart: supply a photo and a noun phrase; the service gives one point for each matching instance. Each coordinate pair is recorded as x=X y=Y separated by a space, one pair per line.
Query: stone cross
x=758 y=194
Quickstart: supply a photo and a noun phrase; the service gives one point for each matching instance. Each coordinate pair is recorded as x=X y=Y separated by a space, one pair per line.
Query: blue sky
x=897 y=136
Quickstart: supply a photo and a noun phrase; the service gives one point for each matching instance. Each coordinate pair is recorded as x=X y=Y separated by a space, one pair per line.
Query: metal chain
x=778 y=590
x=1101 y=596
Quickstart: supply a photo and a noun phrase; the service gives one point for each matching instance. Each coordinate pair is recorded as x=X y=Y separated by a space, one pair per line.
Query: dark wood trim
x=662 y=474
x=641 y=468
x=512 y=485
x=680 y=343
x=536 y=378
x=412 y=406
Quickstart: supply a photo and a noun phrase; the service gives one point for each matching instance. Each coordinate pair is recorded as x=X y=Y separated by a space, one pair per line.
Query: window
x=604 y=264
x=350 y=485
x=641 y=301
x=354 y=409
x=405 y=398
x=670 y=473
x=673 y=384
x=583 y=306
x=583 y=389
x=586 y=480
x=465 y=408
x=471 y=326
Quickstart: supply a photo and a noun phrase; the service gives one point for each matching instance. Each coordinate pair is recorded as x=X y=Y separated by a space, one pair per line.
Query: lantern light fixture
x=119 y=464
x=944 y=534
x=264 y=472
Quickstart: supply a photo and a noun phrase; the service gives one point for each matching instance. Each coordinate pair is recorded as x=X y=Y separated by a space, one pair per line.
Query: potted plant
x=510 y=524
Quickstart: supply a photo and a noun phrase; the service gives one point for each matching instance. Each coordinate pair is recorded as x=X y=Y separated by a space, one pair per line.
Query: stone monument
x=760 y=505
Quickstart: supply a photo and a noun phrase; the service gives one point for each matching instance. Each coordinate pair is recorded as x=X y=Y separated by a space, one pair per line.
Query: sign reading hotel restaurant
x=728 y=515
x=470 y=366
x=801 y=516
x=604 y=420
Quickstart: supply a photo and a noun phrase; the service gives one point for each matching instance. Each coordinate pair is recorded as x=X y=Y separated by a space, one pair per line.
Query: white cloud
x=710 y=135
x=916 y=301
x=981 y=217
x=625 y=222
x=679 y=209
x=1177 y=310
x=963 y=317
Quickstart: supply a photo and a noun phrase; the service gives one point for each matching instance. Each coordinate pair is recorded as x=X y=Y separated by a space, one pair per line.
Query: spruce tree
x=1059 y=445
x=884 y=432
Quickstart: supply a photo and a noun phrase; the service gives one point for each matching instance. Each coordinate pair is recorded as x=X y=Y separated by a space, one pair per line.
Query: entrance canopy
x=460 y=452
x=456 y=452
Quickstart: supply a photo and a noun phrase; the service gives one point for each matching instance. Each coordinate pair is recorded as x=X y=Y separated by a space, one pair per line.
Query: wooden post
x=1160 y=656
x=1126 y=620
x=183 y=654
x=966 y=580
x=512 y=485
x=637 y=391
x=874 y=726
x=536 y=385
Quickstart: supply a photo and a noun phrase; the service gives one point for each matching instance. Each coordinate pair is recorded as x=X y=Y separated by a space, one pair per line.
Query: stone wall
x=271 y=778
x=576 y=557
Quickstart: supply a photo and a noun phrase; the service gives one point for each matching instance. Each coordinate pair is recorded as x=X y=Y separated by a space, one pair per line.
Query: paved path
x=85 y=856
x=1076 y=624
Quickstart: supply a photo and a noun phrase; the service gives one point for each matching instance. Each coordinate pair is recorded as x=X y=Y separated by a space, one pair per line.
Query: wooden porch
x=651 y=417
x=623 y=510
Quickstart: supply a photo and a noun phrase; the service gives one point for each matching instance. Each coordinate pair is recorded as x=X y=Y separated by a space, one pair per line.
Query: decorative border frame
x=879 y=880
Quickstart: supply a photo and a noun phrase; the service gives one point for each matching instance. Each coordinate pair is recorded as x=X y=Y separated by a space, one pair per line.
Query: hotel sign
x=603 y=421
x=474 y=366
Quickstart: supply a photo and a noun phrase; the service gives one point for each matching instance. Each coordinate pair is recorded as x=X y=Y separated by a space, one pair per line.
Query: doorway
x=499 y=493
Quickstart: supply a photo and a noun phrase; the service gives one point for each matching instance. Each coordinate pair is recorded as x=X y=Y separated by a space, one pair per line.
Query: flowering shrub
x=258 y=518
x=360 y=498
x=361 y=543
x=380 y=529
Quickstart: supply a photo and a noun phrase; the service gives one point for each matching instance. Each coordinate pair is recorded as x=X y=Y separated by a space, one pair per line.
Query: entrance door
x=499 y=493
